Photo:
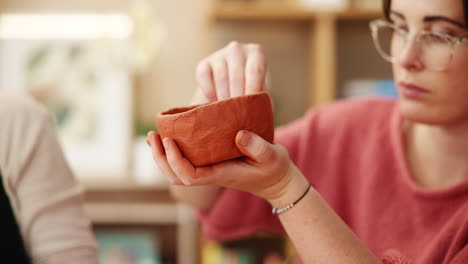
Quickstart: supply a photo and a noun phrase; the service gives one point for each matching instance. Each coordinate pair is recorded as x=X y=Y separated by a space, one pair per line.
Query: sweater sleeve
x=45 y=197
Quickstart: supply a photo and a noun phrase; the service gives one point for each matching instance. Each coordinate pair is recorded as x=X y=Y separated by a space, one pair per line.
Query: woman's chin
x=422 y=112
x=419 y=112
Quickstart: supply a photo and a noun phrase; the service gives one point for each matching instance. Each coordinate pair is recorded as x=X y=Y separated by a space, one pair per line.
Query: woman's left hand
x=266 y=171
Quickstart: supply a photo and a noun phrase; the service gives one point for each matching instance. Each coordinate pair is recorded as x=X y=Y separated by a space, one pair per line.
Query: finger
x=255 y=69
x=159 y=157
x=204 y=76
x=236 y=64
x=155 y=143
x=255 y=147
x=221 y=78
x=148 y=135
x=179 y=164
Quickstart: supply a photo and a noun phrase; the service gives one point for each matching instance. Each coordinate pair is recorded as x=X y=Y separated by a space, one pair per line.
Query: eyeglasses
x=435 y=50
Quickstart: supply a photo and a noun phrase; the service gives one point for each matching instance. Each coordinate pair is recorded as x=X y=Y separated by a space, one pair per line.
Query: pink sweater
x=352 y=152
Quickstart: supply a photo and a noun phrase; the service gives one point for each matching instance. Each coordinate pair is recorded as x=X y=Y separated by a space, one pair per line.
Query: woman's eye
x=448 y=33
x=445 y=31
x=434 y=39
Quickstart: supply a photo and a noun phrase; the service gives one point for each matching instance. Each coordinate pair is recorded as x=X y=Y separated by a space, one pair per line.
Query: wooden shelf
x=255 y=10
x=126 y=192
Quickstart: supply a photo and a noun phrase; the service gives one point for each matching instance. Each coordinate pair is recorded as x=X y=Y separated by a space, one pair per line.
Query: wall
x=171 y=80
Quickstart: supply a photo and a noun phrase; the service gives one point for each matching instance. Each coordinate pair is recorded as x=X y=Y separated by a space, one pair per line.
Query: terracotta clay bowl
x=206 y=133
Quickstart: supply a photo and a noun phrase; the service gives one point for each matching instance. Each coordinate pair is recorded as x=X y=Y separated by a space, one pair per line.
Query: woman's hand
x=266 y=171
x=235 y=70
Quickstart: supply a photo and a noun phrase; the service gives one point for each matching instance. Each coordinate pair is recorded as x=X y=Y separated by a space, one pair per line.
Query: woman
x=42 y=218
x=390 y=178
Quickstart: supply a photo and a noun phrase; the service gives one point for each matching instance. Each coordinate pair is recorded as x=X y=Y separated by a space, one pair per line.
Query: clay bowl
x=206 y=133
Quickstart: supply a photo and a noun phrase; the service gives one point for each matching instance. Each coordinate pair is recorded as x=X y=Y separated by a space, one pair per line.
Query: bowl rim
x=189 y=109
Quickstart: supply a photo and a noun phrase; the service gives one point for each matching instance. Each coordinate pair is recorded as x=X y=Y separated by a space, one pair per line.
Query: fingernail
x=244 y=139
x=149 y=141
x=184 y=181
x=166 y=144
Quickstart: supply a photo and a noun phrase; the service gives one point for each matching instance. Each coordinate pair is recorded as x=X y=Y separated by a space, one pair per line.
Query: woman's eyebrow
x=445 y=19
x=434 y=18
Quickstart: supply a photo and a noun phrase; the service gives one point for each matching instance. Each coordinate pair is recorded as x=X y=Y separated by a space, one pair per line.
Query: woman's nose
x=409 y=56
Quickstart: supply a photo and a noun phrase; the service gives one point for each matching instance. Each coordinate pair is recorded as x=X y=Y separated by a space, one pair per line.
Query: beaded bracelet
x=291 y=205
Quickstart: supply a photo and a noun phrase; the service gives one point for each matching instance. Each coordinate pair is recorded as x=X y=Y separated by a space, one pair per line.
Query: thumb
x=255 y=147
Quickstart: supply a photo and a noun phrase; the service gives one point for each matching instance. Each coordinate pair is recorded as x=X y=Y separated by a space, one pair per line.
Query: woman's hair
x=386 y=8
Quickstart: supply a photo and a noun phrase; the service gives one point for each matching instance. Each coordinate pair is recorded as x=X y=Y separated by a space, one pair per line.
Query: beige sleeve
x=46 y=199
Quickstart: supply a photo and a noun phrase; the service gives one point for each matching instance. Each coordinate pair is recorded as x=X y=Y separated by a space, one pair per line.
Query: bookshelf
x=322 y=35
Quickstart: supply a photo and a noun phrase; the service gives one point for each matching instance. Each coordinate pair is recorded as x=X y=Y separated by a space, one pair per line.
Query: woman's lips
x=412 y=91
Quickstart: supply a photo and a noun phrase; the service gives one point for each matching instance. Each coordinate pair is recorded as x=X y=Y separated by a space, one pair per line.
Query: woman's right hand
x=234 y=70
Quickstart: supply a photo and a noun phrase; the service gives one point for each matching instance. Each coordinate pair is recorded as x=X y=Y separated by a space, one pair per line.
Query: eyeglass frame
x=376 y=24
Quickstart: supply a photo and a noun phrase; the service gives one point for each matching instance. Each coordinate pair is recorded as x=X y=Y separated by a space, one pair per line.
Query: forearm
x=201 y=197
x=72 y=256
x=317 y=233
x=51 y=199
x=46 y=198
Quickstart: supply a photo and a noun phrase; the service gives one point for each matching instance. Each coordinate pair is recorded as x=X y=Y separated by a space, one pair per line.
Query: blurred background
x=106 y=68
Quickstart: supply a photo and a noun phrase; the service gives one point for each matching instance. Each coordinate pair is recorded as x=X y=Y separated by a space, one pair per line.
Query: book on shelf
x=367 y=87
x=214 y=253
x=127 y=247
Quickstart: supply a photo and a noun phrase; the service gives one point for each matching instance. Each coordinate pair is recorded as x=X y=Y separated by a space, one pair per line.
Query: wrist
x=296 y=187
